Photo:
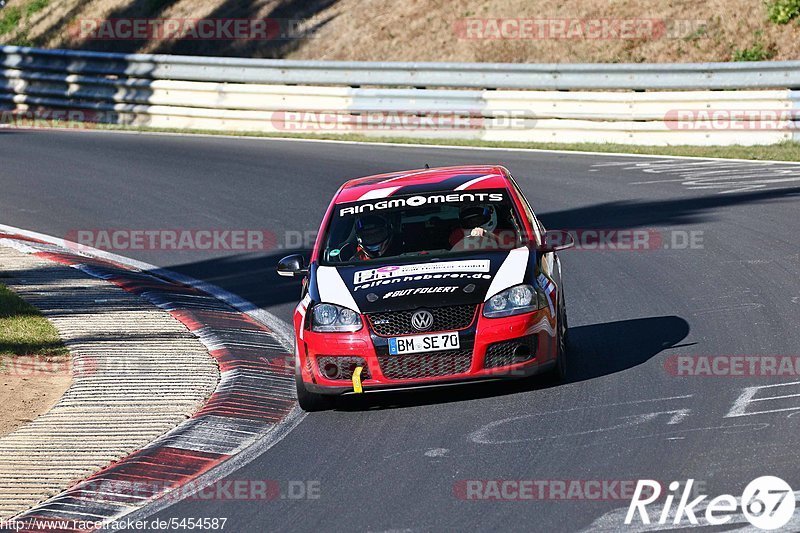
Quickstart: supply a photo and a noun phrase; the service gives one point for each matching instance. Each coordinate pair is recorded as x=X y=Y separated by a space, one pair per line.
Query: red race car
x=427 y=277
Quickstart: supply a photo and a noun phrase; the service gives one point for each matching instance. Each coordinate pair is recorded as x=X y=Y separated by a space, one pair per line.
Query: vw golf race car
x=427 y=277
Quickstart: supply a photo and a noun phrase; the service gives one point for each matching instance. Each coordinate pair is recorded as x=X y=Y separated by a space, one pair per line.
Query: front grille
x=425 y=365
x=451 y=318
x=510 y=352
x=345 y=366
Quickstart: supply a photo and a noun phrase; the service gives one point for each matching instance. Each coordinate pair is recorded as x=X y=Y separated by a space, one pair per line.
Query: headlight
x=327 y=318
x=515 y=301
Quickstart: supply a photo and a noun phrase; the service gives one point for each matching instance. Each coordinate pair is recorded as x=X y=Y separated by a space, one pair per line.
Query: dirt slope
x=436 y=30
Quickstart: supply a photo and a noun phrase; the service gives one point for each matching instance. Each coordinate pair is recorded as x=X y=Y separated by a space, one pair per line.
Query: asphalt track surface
x=393 y=462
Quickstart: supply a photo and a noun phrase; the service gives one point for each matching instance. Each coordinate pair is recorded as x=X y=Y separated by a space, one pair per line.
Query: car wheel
x=310 y=401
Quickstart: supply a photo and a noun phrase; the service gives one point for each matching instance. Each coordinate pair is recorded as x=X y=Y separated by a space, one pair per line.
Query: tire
x=559 y=373
x=310 y=401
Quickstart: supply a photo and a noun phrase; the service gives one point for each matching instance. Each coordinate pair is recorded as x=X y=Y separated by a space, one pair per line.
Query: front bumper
x=491 y=349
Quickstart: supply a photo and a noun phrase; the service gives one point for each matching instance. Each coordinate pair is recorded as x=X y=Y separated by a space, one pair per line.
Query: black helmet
x=373 y=234
x=478 y=216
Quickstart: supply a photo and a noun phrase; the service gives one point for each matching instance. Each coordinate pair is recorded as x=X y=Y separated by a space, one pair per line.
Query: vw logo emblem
x=422 y=320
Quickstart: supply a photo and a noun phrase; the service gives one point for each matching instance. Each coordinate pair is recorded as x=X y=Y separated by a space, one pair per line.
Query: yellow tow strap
x=357 y=379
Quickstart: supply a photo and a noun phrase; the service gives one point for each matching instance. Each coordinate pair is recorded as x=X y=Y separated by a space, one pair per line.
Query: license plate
x=424 y=343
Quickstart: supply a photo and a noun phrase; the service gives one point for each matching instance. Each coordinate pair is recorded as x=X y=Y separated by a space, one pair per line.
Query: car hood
x=384 y=287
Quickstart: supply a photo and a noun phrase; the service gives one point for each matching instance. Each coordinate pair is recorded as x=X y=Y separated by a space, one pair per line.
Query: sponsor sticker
x=420 y=200
x=425 y=277
x=549 y=288
x=388 y=272
x=419 y=290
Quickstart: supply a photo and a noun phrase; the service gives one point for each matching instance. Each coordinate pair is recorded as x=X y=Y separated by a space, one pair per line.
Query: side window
x=538 y=228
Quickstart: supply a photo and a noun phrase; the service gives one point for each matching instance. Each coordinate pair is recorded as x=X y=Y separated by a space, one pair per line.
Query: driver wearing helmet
x=478 y=223
x=373 y=237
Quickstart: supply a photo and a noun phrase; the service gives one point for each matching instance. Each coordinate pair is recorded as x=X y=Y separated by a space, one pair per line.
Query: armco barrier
x=700 y=104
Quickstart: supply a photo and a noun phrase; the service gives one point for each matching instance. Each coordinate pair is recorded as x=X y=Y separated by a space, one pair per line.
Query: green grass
x=35 y=6
x=24 y=331
x=9 y=19
x=783 y=11
x=757 y=52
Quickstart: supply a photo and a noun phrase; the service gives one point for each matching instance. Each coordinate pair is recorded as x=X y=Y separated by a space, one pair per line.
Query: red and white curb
x=252 y=407
x=136 y=374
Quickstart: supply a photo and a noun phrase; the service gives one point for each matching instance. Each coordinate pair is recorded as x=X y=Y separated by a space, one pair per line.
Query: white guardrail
x=655 y=104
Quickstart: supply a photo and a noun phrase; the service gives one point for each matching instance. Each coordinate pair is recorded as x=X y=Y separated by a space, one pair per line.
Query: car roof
x=422 y=181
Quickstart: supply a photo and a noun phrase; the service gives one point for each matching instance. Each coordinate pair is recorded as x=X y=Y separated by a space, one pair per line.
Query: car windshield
x=434 y=225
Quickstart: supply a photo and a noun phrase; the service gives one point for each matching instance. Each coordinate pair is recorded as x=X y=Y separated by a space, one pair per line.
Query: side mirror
x=555 y=240
x=292 y=266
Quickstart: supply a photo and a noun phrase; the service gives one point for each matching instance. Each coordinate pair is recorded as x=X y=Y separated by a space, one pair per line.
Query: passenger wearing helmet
x=373 y=237
x=478 y=223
